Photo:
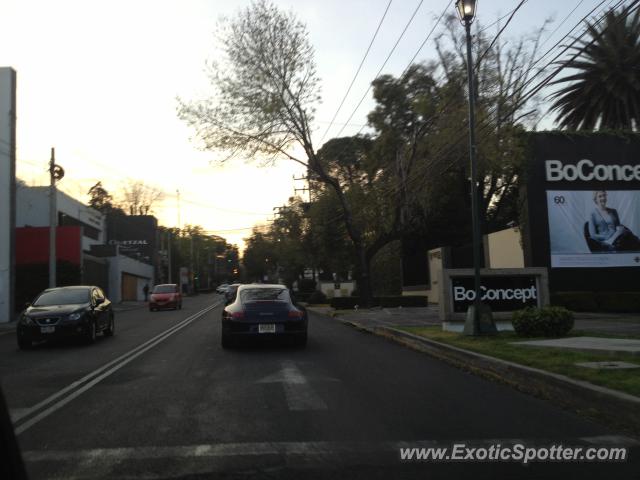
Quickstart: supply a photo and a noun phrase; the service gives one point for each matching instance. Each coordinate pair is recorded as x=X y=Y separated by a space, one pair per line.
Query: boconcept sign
x=461 y=293
x=586 y=171
x=501 y=293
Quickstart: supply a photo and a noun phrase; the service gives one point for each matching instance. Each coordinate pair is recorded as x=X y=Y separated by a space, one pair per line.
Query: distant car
x=230 y=293
x=222 y=288
x=165 y=296
x=80 y=311
x=263 y=311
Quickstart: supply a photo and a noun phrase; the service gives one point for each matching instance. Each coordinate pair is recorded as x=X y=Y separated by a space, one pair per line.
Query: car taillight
x=295 y=314
x=237 y=315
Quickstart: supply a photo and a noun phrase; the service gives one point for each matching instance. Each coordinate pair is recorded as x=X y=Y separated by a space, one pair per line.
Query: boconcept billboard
x=583 y=199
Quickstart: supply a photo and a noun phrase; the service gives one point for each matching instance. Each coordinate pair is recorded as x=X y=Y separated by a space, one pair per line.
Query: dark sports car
x=263 y=311
x=66 y=311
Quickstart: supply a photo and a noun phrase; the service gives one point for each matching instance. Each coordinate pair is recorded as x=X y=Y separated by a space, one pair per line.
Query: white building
x=122 y=277
x=32 y=210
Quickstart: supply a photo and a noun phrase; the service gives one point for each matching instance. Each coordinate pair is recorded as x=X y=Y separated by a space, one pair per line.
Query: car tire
x=111 y=329
x=90 y=335
x=24 y=344
x=180 y=306
x=152 y=309
x=226 y=341
x=301 y=340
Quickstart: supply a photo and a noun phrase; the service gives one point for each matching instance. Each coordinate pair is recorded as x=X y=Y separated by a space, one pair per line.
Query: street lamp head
x=466 y=10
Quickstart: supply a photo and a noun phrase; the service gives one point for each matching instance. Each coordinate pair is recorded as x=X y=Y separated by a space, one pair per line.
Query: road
x=162 y=399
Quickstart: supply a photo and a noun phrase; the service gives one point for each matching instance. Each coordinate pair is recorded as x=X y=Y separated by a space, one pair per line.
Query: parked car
x=263 y=311
x=66 y=311
x=222 y=288
x=165 y=296
x=230 y=293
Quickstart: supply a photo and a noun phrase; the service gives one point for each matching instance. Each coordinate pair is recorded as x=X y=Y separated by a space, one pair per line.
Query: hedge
x=348 y=303
x=542 y=322
x=614 y=302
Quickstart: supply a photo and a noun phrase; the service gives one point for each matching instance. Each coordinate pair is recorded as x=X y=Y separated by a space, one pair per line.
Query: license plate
x=47 y=329
x=267 y=328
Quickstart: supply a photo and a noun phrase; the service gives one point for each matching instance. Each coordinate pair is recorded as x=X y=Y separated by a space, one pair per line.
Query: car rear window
x=264 y=294
x=164 y=289
x=68 y=296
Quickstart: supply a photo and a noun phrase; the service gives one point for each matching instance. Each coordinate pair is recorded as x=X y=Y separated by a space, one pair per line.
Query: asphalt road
x=162 y=399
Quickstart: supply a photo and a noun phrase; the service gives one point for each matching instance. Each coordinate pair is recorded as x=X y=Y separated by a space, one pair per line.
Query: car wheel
x=151 y=309
x=90 y=336
x=301 y=341
x=111 y=329
x=24 y=343
x=180 y=307
x=226 y=341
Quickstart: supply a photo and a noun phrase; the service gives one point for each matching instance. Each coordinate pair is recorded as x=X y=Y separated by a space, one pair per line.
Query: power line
x=426 y=39
x=437 y=158
x=357 y=71
x=413 y=15
x=515 y=10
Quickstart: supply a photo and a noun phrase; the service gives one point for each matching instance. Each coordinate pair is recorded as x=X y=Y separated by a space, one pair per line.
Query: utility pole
x=169 y=254
x=178 y=194
x=303 y=189
x=56 y=172
x=193 y=283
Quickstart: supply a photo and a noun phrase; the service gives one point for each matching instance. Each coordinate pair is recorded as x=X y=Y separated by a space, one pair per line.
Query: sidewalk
x=601 y=323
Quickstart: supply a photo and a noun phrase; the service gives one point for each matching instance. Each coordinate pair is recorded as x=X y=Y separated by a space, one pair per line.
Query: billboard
x=594 y=228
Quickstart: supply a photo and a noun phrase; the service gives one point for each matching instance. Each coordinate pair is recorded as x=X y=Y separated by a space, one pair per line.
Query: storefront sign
x=502 y=294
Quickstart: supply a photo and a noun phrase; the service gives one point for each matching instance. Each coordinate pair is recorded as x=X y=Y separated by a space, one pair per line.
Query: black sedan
x=66 y=311
x=263 y=311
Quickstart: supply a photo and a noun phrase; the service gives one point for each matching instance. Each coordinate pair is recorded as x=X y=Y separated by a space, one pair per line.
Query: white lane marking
x=299 y=394
x=284 y=448
x=28 y=411
x=79 y=387
x=16 y=413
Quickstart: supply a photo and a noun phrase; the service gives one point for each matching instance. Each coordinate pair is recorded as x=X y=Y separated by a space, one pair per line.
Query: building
x=86 y=253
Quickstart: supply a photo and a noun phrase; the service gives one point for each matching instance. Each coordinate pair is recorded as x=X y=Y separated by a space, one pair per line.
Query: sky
x=99 y=81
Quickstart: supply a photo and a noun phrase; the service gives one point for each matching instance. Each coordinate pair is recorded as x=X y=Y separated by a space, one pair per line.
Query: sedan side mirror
x=99 y=301
x=27 y=304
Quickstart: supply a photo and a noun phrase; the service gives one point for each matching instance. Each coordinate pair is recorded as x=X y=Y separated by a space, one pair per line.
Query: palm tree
x=604 y=92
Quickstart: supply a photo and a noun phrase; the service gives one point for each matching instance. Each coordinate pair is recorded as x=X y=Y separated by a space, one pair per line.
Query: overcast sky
x=99 y=80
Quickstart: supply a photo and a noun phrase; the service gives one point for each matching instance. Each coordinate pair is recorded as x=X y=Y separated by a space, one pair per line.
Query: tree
x=139 y=199
x=101 y=200
x=604 y=91
x=265 y=91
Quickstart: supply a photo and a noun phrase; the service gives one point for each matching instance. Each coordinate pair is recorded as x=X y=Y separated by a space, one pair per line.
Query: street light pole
x=478 y=318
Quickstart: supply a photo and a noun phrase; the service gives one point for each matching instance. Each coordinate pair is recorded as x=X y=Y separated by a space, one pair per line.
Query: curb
x=617 y=409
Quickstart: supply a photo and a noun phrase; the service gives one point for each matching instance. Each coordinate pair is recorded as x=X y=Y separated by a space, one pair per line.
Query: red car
x=165 y=296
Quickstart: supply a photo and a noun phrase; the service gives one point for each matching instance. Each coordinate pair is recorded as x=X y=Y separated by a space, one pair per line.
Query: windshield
x=164 y=289
x=264 y=294
x=63 y=297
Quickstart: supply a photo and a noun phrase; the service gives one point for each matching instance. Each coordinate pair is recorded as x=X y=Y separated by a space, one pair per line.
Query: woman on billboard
x=605 y=229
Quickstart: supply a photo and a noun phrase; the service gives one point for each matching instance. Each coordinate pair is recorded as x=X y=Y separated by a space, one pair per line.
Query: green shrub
x=542 y=322
x=317 y=297
x=347 y=303
x=306 y=285
x=403 y=301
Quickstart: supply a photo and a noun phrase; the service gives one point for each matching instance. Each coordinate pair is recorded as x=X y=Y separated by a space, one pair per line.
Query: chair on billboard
x=594 y=245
